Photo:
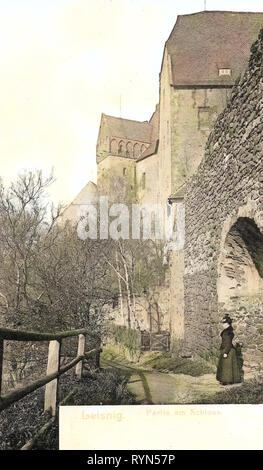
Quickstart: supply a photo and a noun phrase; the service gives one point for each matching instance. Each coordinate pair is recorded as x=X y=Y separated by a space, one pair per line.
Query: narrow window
x=136 y=150
x=124 y=171
x=204 y=118
x=120 y=149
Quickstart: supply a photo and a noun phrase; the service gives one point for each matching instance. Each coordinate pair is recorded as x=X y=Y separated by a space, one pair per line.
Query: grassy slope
x=164 y=362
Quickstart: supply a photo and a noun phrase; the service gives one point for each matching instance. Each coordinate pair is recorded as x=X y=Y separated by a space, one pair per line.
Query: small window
x=204 y=118
x=143 y=180
x=124 y=171
x=224 y=72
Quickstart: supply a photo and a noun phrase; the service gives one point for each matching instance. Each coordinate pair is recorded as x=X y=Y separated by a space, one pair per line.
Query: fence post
x=1 y=362
x=81 y=351
x=52 y=366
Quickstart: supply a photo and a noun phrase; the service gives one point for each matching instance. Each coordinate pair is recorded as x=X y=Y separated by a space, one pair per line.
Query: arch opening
x=113 y=146
x=241 y=271
x=240 y=286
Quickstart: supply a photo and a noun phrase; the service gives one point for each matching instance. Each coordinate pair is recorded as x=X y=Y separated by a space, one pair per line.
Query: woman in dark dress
x=228 y=370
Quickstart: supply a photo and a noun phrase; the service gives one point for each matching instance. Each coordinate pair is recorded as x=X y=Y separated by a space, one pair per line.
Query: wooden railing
x=54 y=369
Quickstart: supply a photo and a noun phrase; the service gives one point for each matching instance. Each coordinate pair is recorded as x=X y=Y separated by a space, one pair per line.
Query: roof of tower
x=128 y=129
x=202 y=43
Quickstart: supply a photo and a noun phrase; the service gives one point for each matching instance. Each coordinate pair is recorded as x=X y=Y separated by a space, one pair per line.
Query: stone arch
x=136 y=150
x=240 y=285
x=241 y=268
x=114 y=146
x=121 y=147
x=129 y=149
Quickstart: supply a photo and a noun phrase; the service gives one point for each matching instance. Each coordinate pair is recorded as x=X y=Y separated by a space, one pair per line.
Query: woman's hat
x=227 y=319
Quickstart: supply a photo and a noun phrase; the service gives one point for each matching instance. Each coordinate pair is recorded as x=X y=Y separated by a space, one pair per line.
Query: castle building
x=205 y=57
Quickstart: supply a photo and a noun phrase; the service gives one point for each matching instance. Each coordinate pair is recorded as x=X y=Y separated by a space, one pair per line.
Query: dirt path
x=150 y=387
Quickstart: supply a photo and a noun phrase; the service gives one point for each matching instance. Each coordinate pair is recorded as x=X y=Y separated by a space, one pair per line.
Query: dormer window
x=224 y=72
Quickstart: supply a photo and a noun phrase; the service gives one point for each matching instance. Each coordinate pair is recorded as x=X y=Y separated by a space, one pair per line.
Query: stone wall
x=224 y=224
x=147 y=180
x=149 y=312
x=117 y=178
x=164 y=153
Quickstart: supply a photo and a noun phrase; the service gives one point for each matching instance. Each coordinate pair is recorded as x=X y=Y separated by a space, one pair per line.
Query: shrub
x=128 y=341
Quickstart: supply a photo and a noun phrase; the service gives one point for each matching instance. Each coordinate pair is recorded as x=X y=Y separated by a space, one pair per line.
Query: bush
x=128 y=341
x=211 y=356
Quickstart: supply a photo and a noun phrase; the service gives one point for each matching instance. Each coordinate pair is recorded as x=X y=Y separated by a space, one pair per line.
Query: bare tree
x=49 y=278
x=139 y=268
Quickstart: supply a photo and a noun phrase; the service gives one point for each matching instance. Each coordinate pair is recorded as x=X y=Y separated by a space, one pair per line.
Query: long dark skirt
x=228 y=370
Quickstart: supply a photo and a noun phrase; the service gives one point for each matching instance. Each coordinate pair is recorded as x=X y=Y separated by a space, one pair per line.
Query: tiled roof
x=201 y=43
x=128 y=129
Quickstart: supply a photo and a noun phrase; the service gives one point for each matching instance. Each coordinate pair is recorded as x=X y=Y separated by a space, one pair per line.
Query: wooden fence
x=54 y=369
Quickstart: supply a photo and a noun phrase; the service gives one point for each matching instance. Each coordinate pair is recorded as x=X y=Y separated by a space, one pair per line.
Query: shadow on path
x=133 y=373
x=150 y=387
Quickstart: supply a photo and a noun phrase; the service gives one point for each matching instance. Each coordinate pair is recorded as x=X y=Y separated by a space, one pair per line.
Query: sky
x=64 y=62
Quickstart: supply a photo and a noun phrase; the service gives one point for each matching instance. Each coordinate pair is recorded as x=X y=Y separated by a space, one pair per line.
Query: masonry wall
x=193 y=114
x=147 y=180
x=164 y=163
x=224 y=225
x=103 y=143
x=116 y=177
x=150 y=312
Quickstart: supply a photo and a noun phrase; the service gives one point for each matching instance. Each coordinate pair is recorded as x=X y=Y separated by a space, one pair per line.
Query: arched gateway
x=240 y=286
